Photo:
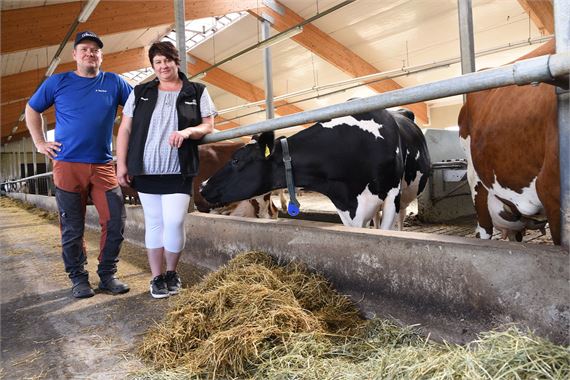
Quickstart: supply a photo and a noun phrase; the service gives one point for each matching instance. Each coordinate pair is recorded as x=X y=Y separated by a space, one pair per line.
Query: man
x=86 y=103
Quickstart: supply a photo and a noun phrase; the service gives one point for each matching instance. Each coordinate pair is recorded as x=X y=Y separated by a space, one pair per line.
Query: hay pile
x=257 y=320
x=222 y=326
x=387 y=351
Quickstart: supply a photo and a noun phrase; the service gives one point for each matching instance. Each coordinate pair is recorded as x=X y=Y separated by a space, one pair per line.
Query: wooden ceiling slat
x=30 y=28
x=334 y=52
x=235 y=85
x=18 y=88
x=541 y=13
x=22 y=85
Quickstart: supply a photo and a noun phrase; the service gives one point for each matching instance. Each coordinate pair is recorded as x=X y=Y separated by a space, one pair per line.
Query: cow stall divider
x=454 y=287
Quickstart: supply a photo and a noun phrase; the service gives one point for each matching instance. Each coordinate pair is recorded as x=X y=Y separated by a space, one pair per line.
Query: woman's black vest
x=188 y=109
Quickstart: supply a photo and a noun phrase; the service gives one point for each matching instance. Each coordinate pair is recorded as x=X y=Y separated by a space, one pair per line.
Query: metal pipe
x=389 y=74
x=465 y=13
x=46 y=158
x=268 y=78
x=5 y=169
x=538 y=69
x=25 y=151
x=14 y=164
x=41 y=175
x=562 y=32
x=20 y=171
x=179 y=16
x=35 y=168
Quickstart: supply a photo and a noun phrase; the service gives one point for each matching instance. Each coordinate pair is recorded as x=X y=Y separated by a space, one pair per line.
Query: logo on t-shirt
x=100 y=90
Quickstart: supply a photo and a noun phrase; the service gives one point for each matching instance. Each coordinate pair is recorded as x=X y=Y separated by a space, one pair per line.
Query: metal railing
x=40 y=184
x=534 y=70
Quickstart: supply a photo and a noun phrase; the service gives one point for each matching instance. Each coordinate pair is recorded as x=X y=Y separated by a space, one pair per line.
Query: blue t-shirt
x=85 y=110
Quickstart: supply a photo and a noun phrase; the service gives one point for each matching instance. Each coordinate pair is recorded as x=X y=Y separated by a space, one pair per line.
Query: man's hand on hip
x=49 y=148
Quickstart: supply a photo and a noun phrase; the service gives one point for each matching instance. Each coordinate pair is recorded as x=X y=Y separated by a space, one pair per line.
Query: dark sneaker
x=82 y=289
x=113 y=285
x=173 y=282
x=158 y=287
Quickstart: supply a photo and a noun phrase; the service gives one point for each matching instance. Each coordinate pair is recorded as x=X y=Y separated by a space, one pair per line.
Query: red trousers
x=75 y=184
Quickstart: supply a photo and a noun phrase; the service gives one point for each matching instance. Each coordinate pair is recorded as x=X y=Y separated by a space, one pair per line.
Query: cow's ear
x=265 y=141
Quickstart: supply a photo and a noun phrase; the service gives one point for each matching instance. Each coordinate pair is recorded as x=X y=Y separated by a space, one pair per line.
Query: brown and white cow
x=510 y=137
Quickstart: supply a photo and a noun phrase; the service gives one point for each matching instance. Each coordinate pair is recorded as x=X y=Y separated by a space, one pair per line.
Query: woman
x=157 y=154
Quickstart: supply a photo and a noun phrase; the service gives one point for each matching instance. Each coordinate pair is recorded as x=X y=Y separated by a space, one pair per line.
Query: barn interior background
x=345 y=51
x=339 y=50
x=323 y=52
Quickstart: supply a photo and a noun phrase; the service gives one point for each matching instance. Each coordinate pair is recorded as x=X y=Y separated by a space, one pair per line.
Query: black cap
x=87 y=35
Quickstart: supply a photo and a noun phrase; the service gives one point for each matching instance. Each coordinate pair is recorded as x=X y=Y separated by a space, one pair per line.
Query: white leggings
x=164 y=216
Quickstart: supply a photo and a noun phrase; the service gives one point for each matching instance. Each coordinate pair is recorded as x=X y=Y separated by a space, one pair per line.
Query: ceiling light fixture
x=87 y=10
x=280 y=37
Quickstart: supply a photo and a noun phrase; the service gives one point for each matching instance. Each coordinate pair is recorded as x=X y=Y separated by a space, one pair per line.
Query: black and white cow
x=363 y=163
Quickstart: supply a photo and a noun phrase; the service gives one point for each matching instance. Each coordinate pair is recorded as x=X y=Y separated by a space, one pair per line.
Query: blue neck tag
x=292 y=209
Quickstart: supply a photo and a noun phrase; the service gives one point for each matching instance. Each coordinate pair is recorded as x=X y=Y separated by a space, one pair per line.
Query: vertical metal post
x=562 y=33
x=19 y=167
x=46 y=159
x=35 y=169
x=14 y=163
x=179 y=15
x=25 y=151
x=269 y=110
x=4 y=168
x=466 y=36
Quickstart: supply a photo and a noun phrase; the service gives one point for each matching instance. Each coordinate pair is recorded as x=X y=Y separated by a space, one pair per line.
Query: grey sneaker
x=158 y=288
x=173 y=282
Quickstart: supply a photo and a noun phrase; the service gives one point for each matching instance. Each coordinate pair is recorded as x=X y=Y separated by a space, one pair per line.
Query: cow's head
x=246 y=175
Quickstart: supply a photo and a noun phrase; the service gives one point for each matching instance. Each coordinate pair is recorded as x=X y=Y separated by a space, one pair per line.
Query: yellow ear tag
x=267 y=152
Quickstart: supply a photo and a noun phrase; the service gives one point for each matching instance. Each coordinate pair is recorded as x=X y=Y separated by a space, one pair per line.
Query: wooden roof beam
x=18 y=88
x=118 y=62
x=35 y=27
x=335 y=53
x=22 y=85
x=541 y=13
x=234 y=85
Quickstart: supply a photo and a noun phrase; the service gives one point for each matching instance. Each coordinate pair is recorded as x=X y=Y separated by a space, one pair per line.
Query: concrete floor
x=453 y=287
x=45 y=332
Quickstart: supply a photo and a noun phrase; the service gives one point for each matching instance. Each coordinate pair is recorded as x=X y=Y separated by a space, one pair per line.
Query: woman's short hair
x=166 y=49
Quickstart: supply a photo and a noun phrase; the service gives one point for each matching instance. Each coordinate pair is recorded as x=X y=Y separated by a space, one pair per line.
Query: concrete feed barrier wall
x=454 y=287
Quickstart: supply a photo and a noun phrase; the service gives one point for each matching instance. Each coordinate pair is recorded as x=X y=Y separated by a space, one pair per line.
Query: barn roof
x=409 y=41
